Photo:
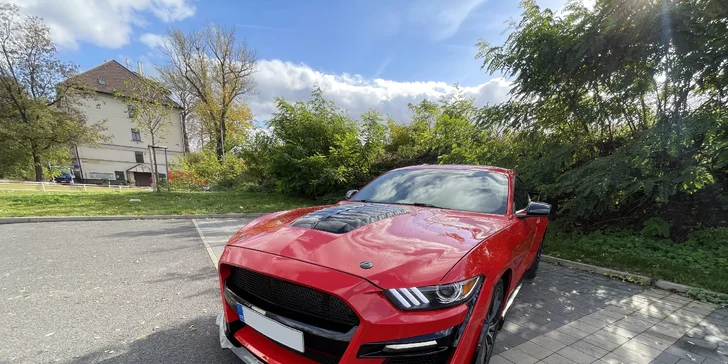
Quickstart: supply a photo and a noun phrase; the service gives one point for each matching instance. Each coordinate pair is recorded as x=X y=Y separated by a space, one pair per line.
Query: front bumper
x=241 y=352
x=380 y=322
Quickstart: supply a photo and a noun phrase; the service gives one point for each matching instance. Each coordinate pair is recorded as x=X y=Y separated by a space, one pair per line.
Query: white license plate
x=274 y=330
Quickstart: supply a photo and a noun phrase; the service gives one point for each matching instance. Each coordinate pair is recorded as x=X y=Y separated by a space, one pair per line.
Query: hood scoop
x=344 y=218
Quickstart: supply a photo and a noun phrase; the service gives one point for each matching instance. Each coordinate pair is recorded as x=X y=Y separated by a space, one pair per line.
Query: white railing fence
x=12 y=186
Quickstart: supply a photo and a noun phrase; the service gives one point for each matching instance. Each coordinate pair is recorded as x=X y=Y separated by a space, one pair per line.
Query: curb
x=670 y=286
x=21 y=220
x=625 y=276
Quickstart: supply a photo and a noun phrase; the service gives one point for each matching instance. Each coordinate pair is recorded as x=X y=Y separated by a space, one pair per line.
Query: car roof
x=460 y=167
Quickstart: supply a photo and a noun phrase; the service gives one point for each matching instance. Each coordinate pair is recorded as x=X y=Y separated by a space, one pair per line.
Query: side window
x=131 y=111
x=520 y=196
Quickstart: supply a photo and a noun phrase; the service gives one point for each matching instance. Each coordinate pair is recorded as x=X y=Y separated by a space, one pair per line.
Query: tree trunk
x=221 y=137
x=220 y=147
x=152 y=156
x=185 y=137
x=38 y=167
x=155 y=174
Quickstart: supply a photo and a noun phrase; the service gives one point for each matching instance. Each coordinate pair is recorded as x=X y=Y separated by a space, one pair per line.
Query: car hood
x=415 y=248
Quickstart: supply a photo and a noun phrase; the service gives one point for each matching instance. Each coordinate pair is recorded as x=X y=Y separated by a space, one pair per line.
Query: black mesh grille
x=290 y=300
x=321 y=357
x=439 y=358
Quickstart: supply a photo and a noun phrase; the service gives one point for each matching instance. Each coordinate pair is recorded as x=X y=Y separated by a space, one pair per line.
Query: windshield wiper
x=422 y=204
x=418 y=204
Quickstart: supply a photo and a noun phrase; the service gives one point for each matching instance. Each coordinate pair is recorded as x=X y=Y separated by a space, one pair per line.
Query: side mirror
x=536 y=209
x=351 y=193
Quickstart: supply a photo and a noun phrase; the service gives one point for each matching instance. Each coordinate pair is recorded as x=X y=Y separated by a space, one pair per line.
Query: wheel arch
x=507 y=277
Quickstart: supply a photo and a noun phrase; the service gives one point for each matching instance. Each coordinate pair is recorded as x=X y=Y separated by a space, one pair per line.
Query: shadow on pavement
x=178 y=228
x=204 y=273
x=195 y=341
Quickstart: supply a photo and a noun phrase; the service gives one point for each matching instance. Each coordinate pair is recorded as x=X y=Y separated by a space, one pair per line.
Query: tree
x=37 y=93
x=216 y=68
x=623 y=105
x=237 y=123
x=149 y=110
x=181 y=93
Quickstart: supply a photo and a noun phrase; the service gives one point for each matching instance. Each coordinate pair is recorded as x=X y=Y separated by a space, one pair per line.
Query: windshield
x=477 y=191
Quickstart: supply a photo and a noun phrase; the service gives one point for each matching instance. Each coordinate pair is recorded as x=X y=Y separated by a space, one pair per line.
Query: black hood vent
x=344 y=218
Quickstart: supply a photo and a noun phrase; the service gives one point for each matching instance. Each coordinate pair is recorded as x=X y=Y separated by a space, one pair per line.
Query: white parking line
x=212 y=255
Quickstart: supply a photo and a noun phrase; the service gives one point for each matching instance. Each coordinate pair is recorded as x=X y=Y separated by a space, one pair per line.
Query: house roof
x=109 y=78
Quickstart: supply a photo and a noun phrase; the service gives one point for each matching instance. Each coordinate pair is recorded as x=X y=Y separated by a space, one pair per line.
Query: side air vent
x=344 y=218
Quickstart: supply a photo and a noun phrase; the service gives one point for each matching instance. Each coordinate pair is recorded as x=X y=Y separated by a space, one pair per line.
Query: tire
x=484 y=349
x=531 y=272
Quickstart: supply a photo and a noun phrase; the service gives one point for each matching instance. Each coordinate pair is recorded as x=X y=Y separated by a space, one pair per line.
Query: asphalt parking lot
x=146 y=292
x=112 y=292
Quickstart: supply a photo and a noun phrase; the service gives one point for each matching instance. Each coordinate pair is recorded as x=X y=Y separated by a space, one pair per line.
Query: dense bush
x=202 y=168
x=313 y=148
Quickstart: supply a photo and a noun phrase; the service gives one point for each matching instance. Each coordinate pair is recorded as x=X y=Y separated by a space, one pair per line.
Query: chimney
x=127 y=64
x=139 y=67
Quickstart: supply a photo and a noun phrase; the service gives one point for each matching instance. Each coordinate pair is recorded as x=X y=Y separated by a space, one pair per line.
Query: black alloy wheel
x=486 y=343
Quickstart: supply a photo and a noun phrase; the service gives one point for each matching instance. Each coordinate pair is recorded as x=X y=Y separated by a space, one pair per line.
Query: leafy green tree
x=623 y=101
x=38 y=116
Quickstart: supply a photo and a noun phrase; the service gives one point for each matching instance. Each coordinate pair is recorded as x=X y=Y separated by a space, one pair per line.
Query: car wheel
x=486 y=343
x=531 y=273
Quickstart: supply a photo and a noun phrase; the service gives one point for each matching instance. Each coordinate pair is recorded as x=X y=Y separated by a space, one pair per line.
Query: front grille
x=438 y=358
x=321 y=358
x=292 y=301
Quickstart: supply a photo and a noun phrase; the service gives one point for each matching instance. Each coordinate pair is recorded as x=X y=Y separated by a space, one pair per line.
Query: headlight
x=433 y=297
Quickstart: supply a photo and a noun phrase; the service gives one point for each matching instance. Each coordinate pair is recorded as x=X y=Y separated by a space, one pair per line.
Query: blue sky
x=363 y=53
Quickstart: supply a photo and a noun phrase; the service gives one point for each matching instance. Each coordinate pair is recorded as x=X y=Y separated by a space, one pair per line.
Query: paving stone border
x=20 y=220
x=625 y=276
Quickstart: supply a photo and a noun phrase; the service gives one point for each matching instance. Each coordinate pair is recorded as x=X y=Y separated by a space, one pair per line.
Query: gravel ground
x=113 y=292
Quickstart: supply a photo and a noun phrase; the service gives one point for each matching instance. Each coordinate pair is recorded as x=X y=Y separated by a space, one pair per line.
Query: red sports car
x=419 y=266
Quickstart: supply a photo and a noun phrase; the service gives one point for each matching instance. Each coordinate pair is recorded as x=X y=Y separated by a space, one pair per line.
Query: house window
x=131 y=111
x=139 y=157
x=136 y=135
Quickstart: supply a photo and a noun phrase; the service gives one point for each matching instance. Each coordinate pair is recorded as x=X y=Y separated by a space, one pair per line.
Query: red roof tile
x=109 y=78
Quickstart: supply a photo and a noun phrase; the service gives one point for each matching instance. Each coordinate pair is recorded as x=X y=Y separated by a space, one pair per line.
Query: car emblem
x=366 y=264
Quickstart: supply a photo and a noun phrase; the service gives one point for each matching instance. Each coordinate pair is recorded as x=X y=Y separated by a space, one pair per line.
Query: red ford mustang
x=419 y=267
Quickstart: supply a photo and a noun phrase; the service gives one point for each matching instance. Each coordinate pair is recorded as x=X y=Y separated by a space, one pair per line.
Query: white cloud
x=355 y=93
x=443 y=18
x=152 y=40
x=105 y=23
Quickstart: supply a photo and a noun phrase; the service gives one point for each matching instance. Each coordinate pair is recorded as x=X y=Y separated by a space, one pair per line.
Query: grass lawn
x=14 y=204
x=701 y=261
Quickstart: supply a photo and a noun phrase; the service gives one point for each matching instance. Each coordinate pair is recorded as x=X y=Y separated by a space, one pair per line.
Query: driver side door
x=524 y=229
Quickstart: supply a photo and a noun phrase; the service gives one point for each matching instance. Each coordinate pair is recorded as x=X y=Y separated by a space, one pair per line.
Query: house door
x=142 y=179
